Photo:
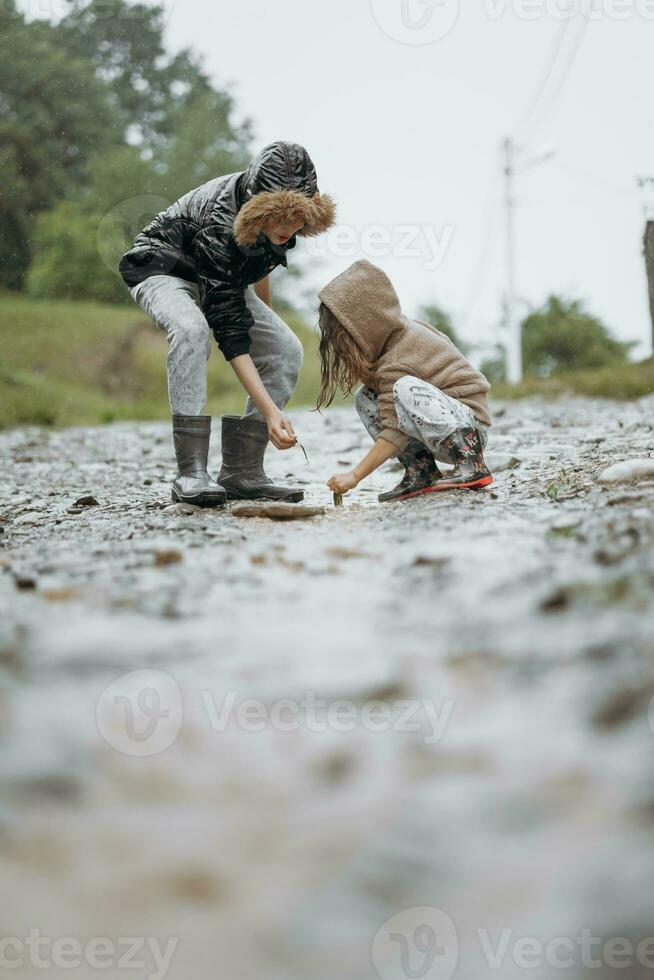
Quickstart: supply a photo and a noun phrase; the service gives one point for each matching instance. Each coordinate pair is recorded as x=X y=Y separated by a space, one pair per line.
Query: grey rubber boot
x=242 y=474
x=193 y=485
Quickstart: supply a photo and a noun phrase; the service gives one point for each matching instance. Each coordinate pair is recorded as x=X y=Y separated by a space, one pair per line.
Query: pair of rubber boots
x=465 y=451
x=242 y=477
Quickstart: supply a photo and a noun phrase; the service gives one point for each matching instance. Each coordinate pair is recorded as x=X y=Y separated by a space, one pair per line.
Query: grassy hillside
x=65 y=363
x=620 y=382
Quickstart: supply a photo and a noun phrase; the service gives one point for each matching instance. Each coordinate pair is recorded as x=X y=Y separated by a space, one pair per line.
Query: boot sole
x=485 y=481
x=197 y=501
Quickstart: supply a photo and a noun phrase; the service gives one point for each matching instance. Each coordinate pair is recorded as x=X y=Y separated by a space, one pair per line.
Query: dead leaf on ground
x=167 y=556
x=65 y=594
x=336 y=551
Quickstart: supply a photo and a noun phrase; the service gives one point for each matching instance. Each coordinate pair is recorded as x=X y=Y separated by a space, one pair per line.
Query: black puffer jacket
x=213 y=236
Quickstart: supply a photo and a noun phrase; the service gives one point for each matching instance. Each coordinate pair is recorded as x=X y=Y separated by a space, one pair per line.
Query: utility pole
x=648 y=243
x=514 y=338
x=515 y=163
x=646 y=186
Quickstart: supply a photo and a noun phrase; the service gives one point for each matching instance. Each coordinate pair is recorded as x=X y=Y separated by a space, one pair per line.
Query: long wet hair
x=342 y=364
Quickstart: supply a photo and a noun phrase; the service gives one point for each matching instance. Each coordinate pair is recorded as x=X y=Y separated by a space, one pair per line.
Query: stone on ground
x=629 y=471
x=277 y=511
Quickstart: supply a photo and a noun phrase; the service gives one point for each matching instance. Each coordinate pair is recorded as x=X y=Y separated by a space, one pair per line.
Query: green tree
x=153 y=92
x=113 y=176
x=124 y=43
x=438 y=318
x=562 y=336
x=126 y=189
x=54 y=113
x=109 y=121
x=205 y=143
x=493 y=366
x=67 y=263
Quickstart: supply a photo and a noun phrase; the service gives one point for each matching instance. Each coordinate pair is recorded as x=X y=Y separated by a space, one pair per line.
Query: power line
x=565 y=74
x=545 y=77
x=545 y=97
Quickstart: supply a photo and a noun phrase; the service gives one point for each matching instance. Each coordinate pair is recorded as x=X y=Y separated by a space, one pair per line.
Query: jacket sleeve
x=222 y=294
x=391 y=431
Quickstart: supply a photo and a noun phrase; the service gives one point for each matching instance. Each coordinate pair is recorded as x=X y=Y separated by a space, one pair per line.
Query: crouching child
x=421 y=400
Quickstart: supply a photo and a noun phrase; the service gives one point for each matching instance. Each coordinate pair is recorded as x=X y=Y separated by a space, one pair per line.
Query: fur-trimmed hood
x=281 y=186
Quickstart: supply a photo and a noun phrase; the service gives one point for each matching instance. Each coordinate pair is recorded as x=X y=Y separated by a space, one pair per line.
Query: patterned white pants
x=424 y=413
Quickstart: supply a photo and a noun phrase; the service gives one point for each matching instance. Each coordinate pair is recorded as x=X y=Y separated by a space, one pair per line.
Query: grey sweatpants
x=424 y=413
x=174 y=305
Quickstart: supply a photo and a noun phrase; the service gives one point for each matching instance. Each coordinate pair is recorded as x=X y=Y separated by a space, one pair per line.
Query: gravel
x=266 y=738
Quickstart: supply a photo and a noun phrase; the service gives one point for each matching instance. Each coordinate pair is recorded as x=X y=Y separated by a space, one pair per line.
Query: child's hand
x=342 y=482
x=280 y=430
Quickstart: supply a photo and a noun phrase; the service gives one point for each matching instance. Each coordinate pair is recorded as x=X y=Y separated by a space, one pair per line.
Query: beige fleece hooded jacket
x=363 y=299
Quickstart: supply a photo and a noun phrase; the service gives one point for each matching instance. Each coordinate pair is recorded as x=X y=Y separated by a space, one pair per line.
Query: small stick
x=338 y=499
x=304 y=451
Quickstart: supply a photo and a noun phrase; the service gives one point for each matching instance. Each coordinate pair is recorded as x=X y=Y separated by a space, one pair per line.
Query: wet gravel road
x=263 y=740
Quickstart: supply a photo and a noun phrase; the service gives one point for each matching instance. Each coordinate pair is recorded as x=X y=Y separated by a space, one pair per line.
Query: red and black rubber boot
x=420 y=472
x=464 y=448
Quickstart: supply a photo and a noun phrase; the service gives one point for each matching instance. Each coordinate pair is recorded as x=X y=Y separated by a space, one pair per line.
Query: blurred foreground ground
x=449 y=707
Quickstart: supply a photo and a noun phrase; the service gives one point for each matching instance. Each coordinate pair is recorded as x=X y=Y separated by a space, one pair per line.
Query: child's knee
x=285 y=366
x=365 y=401
x=360 y=398
x=402 y=389
x=191 y=334
x=280 y=343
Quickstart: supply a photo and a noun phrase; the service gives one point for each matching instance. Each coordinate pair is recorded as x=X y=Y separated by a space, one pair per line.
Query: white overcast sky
x=403 y=105
x=409 y=134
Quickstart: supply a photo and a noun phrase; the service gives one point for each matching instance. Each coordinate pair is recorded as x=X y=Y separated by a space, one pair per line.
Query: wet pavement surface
x=265 y=740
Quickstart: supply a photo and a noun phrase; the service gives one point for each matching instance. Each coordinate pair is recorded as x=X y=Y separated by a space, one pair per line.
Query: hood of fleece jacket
x=363 y=299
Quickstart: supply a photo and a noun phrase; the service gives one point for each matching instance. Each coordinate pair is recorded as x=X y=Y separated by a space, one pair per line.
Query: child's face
x=280 y=234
